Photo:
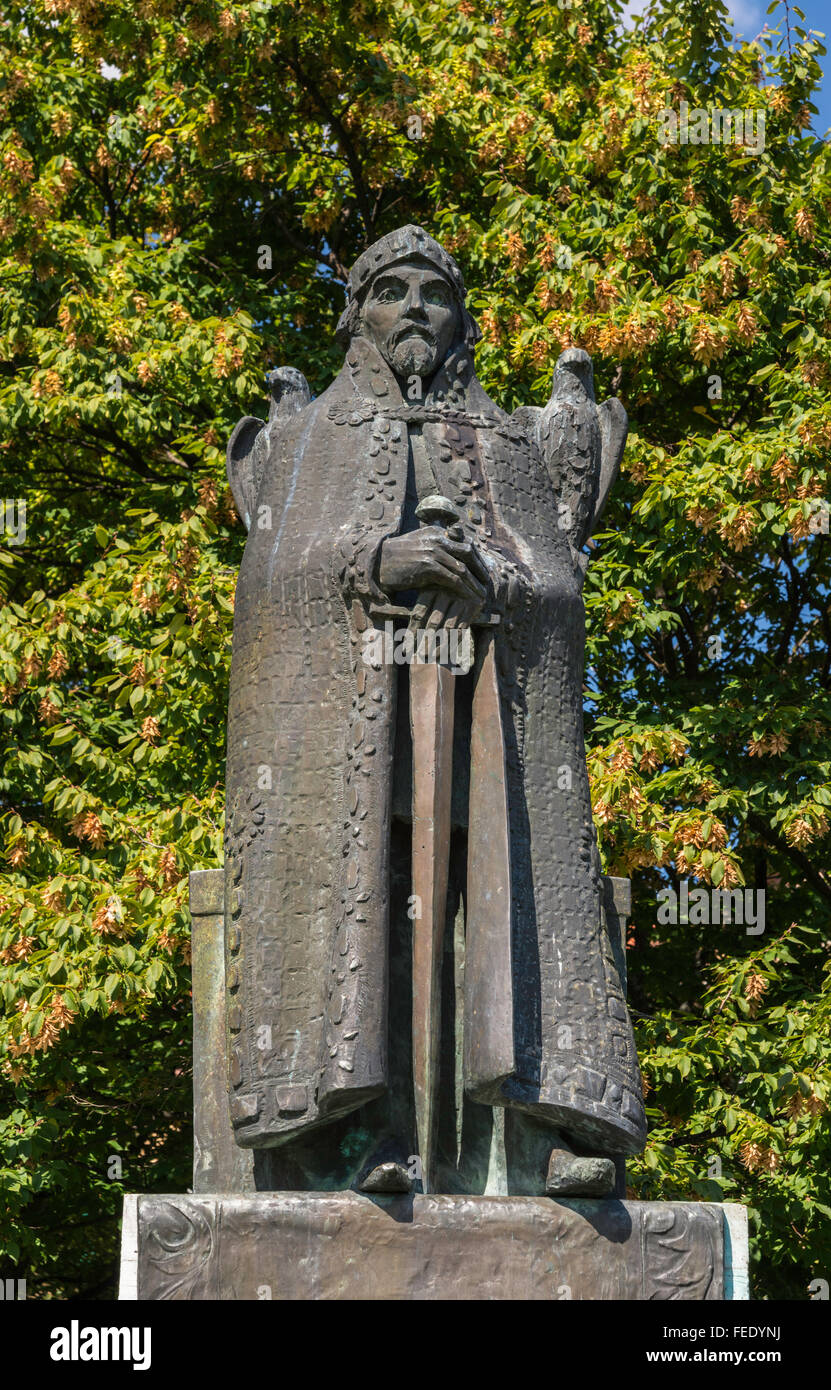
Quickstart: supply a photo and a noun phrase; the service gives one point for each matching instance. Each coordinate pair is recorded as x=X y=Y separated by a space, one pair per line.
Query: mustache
x=413 y=330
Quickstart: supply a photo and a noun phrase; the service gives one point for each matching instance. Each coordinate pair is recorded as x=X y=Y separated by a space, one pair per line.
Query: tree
x=179 y=199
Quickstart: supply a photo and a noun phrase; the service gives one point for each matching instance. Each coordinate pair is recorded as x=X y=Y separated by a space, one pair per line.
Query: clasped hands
x=452 y=579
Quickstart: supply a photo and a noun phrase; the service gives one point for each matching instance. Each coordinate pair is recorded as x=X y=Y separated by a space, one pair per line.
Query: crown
x=403 y=245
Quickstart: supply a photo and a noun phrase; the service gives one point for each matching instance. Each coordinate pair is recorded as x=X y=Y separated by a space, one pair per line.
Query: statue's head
x=406 y=295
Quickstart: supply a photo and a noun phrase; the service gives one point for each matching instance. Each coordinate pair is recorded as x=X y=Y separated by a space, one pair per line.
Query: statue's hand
x=436 y=609
x=429 y=559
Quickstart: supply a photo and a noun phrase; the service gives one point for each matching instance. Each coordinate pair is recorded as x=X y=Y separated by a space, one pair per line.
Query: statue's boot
x=570 y=1175
x=387 y=1177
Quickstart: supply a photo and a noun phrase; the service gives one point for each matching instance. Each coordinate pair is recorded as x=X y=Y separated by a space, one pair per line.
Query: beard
x=411 y=354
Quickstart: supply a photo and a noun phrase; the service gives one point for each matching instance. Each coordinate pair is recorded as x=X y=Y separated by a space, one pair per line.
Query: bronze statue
x=421 y=987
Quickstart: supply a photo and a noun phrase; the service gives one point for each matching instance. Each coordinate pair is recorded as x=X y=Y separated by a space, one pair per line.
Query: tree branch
x=797 y=858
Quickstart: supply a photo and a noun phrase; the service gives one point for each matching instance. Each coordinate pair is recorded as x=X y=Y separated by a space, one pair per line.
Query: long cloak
x=311 y=734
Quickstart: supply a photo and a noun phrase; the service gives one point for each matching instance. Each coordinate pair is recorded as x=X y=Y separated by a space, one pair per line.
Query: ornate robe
x=310 y=776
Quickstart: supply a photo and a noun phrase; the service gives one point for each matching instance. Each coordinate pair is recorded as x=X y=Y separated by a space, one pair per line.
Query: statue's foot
x=572 y=1176
x=387 y=1177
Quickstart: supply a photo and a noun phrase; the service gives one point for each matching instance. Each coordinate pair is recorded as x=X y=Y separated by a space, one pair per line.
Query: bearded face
x=411 y=316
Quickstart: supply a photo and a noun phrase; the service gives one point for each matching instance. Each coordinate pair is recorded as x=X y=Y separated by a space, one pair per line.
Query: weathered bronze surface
x=348 y=1246
x=360 y=1033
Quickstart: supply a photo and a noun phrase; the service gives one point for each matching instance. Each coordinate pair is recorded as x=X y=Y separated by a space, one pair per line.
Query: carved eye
x=437 y=294
x=391 y=292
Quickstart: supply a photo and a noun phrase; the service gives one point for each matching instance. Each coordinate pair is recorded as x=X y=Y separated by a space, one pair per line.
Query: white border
x=736 y=1253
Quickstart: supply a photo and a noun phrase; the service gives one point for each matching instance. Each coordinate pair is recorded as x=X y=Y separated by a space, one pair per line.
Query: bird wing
x=614 y=427
x=527 y=417
x=241 y=466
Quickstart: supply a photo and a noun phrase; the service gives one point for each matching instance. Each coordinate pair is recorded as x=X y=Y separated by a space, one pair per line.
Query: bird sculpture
x=582 y=445
x=253 y=438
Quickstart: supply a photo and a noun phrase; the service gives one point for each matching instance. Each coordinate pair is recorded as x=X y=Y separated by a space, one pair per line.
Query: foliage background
x=148 y=154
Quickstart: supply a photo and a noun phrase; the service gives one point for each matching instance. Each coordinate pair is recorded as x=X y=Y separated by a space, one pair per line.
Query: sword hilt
x=383 y=611
x=436 y=510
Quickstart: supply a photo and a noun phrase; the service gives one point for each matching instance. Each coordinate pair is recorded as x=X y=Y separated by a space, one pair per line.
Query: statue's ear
x=242 y=470
x=471 y=332
x=349 y=324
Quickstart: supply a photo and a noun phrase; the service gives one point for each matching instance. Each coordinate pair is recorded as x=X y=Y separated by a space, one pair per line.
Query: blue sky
x=749 y=19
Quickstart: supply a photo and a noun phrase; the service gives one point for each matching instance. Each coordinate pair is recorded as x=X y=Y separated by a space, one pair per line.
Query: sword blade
x=489 y=1002
x=432 y=692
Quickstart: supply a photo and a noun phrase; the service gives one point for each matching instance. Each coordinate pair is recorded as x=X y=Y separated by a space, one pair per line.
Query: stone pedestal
x=303 y=1246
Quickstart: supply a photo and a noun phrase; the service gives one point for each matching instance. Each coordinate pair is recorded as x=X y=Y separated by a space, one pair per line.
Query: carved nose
x=415 y=303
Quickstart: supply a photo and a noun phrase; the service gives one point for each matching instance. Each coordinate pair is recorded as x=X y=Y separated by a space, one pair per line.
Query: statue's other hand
x=440 y=609
x=429 y=559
